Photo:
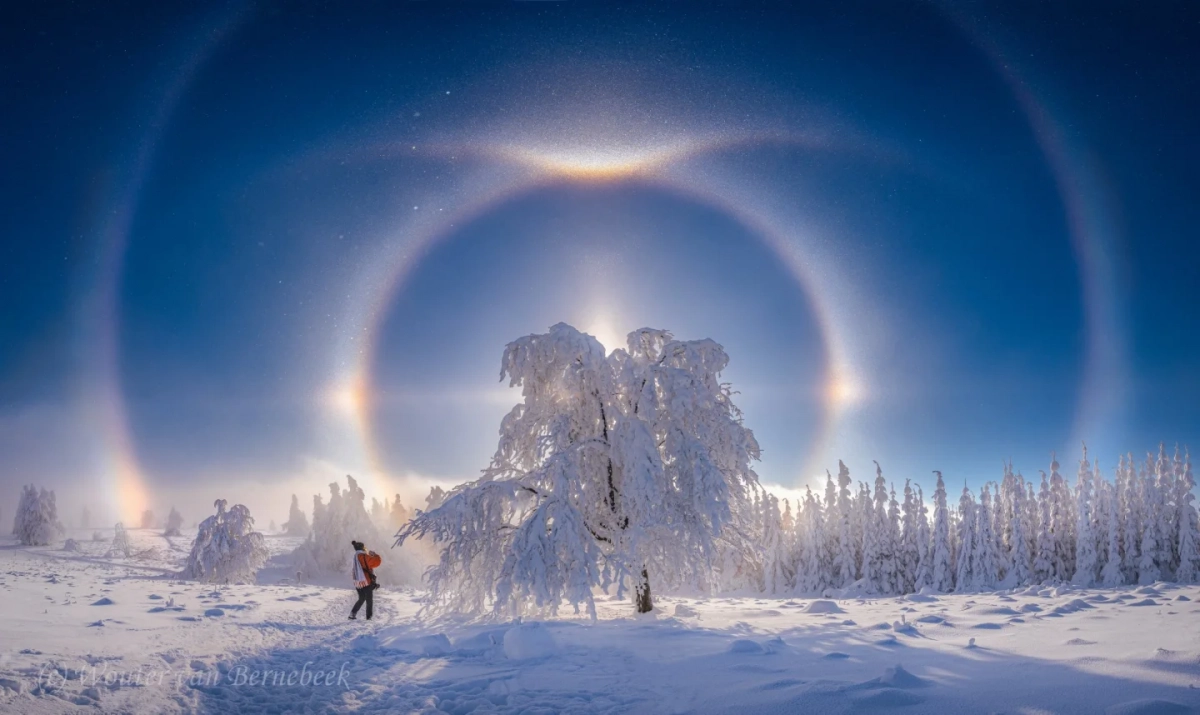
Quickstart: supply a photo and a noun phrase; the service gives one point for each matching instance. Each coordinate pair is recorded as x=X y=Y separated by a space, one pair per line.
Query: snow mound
x=154 y=597
x=528 y=640
x=215 y=612
x=1079 y=641
x=1144 y=602
x=996 y=611
x=1148 y=707
x=920 y=598
x=438 y=644
x=71 y=545
x=1031 y=608
x=746 y=646
x=685 y=611
x=931 y=618
x=1148 y=591
x=823 y=607
x=1075 y=604
x=988 y=626
x=106 y=601
x=836 y=655
x=1181 y=597
x=897 y=677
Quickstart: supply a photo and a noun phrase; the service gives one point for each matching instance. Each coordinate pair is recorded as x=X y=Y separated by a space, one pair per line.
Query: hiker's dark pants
x=366 y=595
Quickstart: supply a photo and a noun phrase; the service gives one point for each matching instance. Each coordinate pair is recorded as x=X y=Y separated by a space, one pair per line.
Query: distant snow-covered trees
x=174 y=523
x=297 y=523
x=621 y=470
x=36 y=522
x=226 y=549
x=1139 y=528
x=335 y=524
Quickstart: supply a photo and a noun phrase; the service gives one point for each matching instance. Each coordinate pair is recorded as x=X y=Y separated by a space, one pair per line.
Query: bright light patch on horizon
x=591 y=162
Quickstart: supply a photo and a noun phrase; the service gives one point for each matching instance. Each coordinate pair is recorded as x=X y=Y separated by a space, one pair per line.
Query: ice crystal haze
x=616 y=470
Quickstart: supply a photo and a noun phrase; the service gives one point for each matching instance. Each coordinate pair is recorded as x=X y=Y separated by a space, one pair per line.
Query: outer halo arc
x=548 y=175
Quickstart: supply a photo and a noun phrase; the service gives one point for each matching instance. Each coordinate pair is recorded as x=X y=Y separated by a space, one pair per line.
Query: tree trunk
x=642 y=594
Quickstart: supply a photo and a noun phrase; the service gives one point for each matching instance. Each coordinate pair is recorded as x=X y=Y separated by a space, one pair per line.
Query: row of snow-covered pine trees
x=1137 y=529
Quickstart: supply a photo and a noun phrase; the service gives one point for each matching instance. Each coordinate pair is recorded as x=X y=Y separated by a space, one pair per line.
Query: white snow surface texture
x=83 y=633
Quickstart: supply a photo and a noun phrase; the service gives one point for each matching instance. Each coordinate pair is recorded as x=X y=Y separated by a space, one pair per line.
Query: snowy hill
x=125 y=635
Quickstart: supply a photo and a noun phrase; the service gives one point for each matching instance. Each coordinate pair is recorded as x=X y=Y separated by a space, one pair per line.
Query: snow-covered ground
x=124 y=635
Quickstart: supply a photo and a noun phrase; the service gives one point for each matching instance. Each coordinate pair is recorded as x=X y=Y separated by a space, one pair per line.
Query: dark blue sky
x=983 y=219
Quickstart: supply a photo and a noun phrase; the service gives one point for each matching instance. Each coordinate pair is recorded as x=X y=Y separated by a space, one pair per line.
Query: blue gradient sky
x=992 y=212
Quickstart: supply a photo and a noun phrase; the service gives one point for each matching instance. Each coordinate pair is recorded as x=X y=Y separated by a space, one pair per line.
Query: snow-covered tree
x=845 y=561
x=1019 y=554
x=964 y=568
x=344 y=519
x=399 y=515
x=909 y=558
x=120 y=543
x=36 y=522
x=297 y=523
x=943 y=567
x=1189 y=538
x=984 y=576
x=1086 y=558
x=1062 y=524
x=613 y=468
x=1043 y=561
x=777 y=571
x=924 y=575
x=226 y=549
x=147 y=519
x=174 y=523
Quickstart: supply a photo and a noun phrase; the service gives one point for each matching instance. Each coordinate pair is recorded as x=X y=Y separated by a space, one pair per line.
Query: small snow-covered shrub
x=71 y=545
x=120 y=543
x=36 y=523
x=227 y=549
x=97 y=536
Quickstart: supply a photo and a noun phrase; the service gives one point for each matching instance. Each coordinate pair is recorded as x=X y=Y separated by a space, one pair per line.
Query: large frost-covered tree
x=615 y=470
x=36 y=522
x=227 y=549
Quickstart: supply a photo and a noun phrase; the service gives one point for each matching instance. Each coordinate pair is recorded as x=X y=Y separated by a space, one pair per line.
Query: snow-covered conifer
x=1043 y=561
x=984 y=575
x=1062 y=524
x=908 y=558
x=400 y=515
x=924 y=575
x=1189 y=539
x=845 y=561
x=943 y=567
x=344 y=519
x=1086 y=559
x=297 y=523
x=174 y=523
x=226 y=549
x=147 y=519
x=1019 y=555
x=36 y=522
x=964 y=568
x=776 y=572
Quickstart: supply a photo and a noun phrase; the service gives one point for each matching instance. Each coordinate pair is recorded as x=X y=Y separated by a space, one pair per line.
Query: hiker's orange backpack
x=373 y=560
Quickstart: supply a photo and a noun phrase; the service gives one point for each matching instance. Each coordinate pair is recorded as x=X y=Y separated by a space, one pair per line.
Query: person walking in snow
x=363 y=574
